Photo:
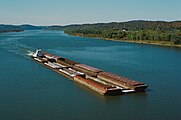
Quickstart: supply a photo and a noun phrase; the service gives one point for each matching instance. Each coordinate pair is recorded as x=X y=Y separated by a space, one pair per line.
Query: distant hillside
x=146 y=31
x=55 y=27
x=18 y=28
x=131 y=25
x=31 y=27
x=9 y=28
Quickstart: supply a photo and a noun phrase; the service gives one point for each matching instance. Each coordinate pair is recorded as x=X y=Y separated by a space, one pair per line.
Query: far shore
x=149 y=42
x=8 y=31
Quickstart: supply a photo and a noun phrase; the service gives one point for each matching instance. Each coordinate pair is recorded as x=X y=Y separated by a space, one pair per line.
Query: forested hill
x=9 y=28
x=18 y=28
x=150 y=31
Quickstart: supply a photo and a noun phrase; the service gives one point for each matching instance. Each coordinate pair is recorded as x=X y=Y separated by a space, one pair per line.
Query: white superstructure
x=37 y=53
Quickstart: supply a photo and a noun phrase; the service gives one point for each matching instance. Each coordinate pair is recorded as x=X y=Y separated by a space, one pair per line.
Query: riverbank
x=150 y=42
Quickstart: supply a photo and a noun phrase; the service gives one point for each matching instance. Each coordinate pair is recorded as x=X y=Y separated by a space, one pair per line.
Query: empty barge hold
x=105 y=83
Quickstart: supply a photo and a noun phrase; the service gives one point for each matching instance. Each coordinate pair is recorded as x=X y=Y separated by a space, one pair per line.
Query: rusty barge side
x=105 y=83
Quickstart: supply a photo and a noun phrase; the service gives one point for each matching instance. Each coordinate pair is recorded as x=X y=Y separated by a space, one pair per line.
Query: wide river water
x=29 y=91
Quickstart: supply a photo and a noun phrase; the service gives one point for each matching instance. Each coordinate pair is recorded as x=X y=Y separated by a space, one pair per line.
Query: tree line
x=132 y=30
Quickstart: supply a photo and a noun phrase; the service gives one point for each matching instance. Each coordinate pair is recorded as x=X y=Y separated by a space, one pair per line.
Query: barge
x=105 y=83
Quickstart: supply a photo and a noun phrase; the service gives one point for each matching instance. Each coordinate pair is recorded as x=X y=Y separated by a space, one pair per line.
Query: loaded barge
x=105 y=83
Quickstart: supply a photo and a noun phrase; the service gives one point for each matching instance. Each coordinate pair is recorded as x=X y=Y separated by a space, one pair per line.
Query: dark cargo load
x=120 y=81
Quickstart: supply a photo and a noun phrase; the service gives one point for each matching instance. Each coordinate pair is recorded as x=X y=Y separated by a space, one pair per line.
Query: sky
x=65 y=12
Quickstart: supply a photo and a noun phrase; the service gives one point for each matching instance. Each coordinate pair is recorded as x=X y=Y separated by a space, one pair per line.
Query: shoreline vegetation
x=143 y=32
x=148 y=42
x=138 y=31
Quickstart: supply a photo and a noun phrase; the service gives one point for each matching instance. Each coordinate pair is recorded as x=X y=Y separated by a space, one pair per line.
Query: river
x=29 y=91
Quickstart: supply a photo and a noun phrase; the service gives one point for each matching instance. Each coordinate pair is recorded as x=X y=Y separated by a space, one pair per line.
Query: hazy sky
x=61 y=12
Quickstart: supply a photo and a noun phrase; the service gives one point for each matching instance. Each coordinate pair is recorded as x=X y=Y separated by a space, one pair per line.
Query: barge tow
x=105 y=83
